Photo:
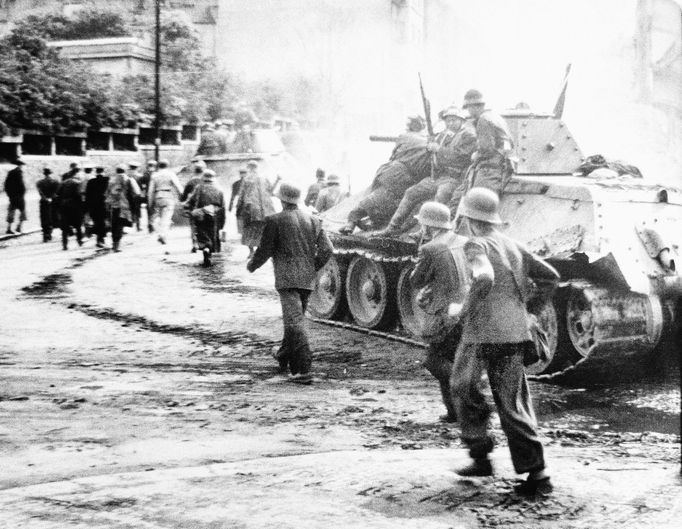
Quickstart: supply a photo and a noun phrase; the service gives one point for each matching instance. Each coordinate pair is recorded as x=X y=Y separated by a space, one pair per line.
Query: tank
x=615 y=241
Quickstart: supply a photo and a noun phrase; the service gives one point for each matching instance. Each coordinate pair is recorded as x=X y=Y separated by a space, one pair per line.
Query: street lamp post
x=157 y=82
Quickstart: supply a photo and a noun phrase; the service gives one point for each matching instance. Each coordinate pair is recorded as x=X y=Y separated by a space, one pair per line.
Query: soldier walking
x=207 y=211
x=314 y=189
x=15 y=190
x=161 y=198
x=495 y=336
x=95 y=202
x=331 y=195
x=299 y=247
x=254 y=205
x=70 y=204
x=234 y=199
x=441 y=277
x=122 y=191
x=199 y=168
x=47 y=189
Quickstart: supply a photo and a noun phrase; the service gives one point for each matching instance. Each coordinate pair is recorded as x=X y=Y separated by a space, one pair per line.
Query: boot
x=9 y=231
x=478 y=467
x=348 y=228
x=207 y=256
x=116 y=246
x=389 y=231
x=19 y=227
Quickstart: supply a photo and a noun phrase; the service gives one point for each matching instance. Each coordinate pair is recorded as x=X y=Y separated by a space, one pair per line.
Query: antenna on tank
x=559 y=106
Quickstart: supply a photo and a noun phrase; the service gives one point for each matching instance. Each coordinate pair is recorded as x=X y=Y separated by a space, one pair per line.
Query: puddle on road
x=52 y=285
x=652 y=407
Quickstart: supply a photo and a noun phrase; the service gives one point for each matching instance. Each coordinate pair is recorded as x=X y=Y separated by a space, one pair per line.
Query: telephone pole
x=157 y=82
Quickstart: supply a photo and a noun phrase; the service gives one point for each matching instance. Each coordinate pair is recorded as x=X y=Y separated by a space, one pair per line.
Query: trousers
x=163 y=215
x=439 y=359
x=504 y=365
x=47 y=218
x=492 y=178
x=295 y=349
x=425 y=189
x=70 y=219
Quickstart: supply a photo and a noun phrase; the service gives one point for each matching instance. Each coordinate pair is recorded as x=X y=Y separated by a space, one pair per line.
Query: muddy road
x=138 y=391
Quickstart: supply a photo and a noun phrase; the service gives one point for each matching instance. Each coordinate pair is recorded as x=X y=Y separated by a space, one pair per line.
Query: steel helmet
x=289 y=193
x=434 y=214
x=473 y=97
x=481 y=204
x=453 y=111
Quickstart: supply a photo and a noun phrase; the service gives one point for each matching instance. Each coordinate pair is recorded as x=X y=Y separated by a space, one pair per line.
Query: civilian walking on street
x=254 y=205
x=495 y=337
x=163 y=189
x=15 y=190
x=143 y=184
x=70 y=205
x=122 y=191
x=207 y=210
x=135 y=174
x=299 y=247
x=441 y=277
x=330 y=196
x=192 y=183
x=95 y=202
x=234 y=198
x=47 y=189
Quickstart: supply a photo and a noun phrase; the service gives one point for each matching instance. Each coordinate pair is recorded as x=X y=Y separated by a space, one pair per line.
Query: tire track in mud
x=54 y=287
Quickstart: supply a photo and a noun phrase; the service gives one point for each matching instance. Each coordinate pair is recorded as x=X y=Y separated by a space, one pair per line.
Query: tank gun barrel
x=385 y=139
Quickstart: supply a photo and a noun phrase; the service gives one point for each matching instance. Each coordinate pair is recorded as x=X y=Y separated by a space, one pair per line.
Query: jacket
x=454 y=155
x=501 y=316
x=255 y=199
x=328 y=198
x=298 y=246
x=493 y=140
x=121 y=193
x=95 y=192
x=69 y=195
x=162 y=186
x=441 y=268
x=14 y=183
x=208 y=194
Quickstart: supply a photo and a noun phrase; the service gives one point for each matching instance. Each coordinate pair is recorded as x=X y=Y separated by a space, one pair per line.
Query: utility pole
x=157 y=82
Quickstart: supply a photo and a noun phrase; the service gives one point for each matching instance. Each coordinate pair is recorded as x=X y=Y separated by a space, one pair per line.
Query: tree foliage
x=87 y=23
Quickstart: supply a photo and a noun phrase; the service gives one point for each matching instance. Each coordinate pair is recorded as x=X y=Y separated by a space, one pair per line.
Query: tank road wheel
x=549 y=322
x=411 y=315
x=370 y=292
x=328 y=299
x=580 y=324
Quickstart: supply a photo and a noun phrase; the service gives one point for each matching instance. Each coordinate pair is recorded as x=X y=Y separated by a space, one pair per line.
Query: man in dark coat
x=210 y=201
x=192 y=183
x=70 y=204
x=441 y=277
x=95 y=192
x=495 y=336
x=314 y=189
x=409 y=163
x=234 y=198
x=452 y=150
x=47 y=189
x=299 y=247
x=15 y=190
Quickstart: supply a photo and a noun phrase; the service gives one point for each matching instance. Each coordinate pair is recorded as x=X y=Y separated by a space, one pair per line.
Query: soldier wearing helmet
x=451 y=150
x=492 y=163
x=331 y=195
x=122 y=192
x=192 y=183
x=409 y=163
x=206 y=205
x=440 y=276
x=495 y=337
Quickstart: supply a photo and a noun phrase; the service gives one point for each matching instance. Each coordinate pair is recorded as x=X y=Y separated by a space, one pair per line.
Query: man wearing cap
x=143 y=184
x=206 y=205
x=70 y=205
x=299 y=247
x=314 y=189
x=122 y=191
x=73 y=172
x=495 y=336
x=331 y=195
x=161 y=197
x=15 y=190
x=492 y=164
x=254 y=205
x=234 y=198
x=47 y=190
x=409 y=163
x=452 y=150
x=95 y=193
x=441 y=277
x=192 y=183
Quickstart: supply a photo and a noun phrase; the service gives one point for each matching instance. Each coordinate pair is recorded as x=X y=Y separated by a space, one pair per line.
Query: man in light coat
x=299 y=247
x=164 y=187
x=495 y=336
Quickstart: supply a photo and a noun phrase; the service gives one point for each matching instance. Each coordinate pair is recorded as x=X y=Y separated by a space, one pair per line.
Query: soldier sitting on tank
x=211 y=143
x=492 y=166
x=452 y=150
x=409 y=163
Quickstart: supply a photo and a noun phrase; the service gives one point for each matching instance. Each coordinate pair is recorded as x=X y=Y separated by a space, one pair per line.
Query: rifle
x=429 y=124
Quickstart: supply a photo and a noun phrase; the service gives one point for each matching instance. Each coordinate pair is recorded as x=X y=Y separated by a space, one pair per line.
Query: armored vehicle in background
x=614 y=240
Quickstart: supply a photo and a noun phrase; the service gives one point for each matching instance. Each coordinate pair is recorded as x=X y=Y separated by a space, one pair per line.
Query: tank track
x=598 y=362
